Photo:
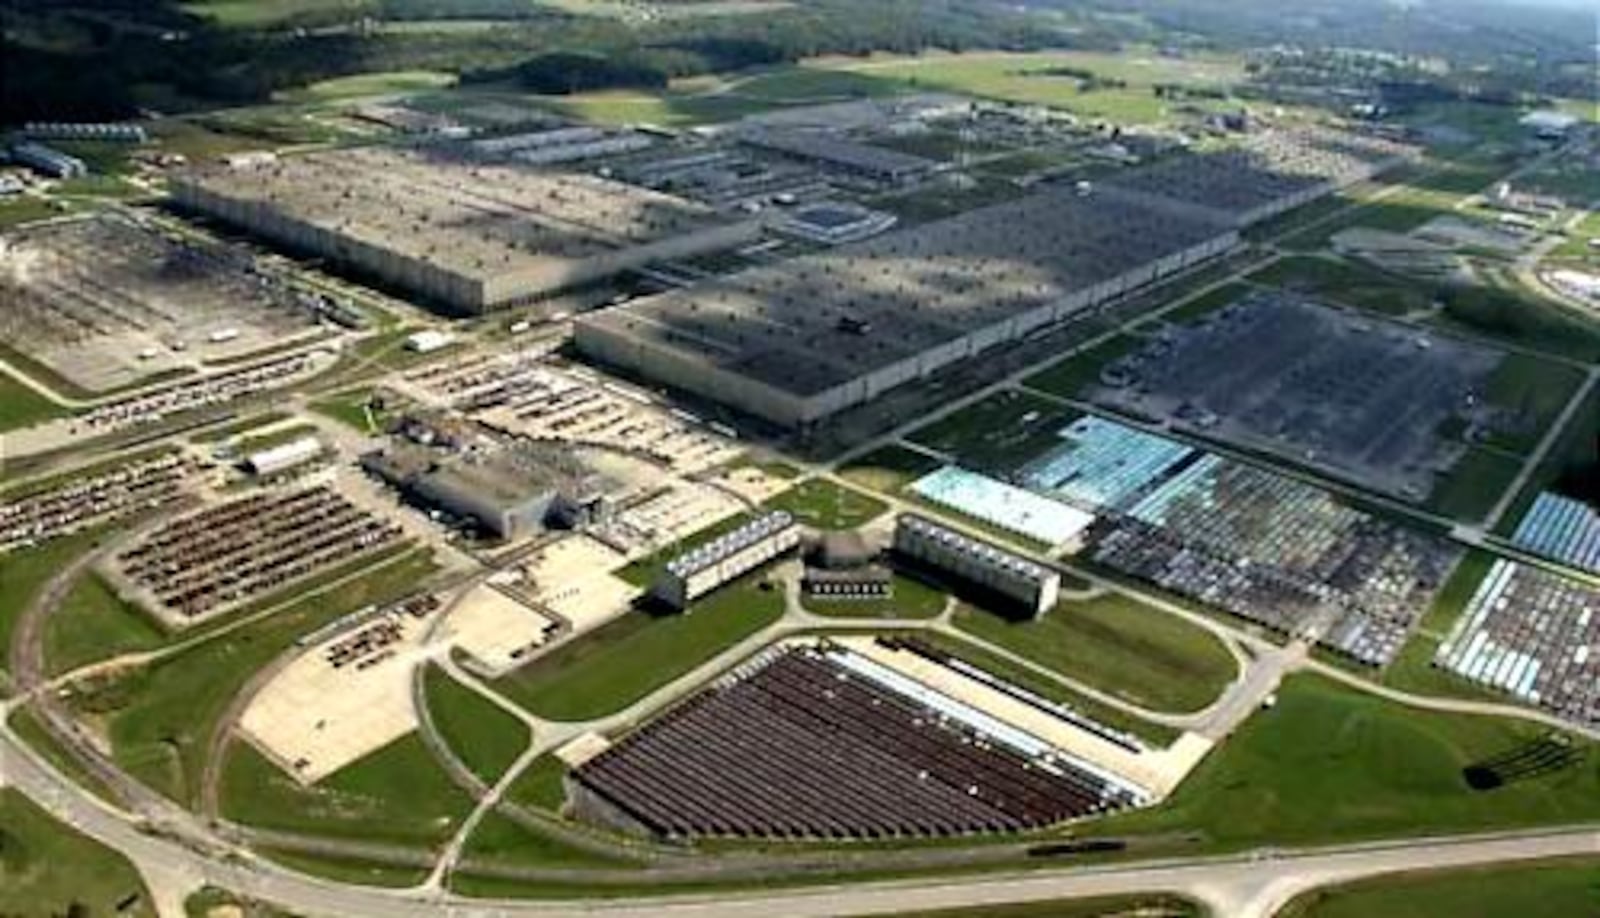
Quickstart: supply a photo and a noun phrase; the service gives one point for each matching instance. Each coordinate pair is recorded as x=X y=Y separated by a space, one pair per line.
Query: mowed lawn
x=399 y=794
x=1117 y=645
x=821 y=504
x=21 y=406
x=47 y=868
x=622 y=661
x=484 y=736
x=1558 y=887
x=24 y=574
x=1329 y=764
x=93 y=624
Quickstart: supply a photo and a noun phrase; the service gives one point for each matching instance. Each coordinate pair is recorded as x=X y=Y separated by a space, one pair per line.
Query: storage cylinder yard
x=466 y=235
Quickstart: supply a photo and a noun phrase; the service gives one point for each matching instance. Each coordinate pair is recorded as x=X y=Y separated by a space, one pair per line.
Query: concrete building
x=100 y=131
x=1033 y=586
x=699 y=571
x=1549 y=125
x=842 y=155
x=284 y=456
x=1269 y=173
x=48 y=160
x=468 y=236
x=800 y=340
x=503 y=497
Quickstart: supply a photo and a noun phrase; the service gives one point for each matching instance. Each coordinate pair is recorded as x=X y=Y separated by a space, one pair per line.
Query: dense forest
x=110 y=58
x=104 y=58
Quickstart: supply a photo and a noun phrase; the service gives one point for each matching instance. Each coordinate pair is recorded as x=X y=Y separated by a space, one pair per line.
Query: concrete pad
x=313 y=718
x=573 y=578
x=497 y=629
x=1157 y=771
x=582 y=749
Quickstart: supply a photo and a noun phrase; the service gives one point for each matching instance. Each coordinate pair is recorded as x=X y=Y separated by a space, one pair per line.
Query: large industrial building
x=467 y=236
x=800 y=340
x=1004 y=573
x=505 y=496
x=1269 y=173
x=701 y=570
x=841 y=154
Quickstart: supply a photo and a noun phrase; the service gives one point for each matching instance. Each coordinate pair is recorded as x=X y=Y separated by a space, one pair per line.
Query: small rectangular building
x=997 y=570
x=284 y=456
x=699 y=571
x=48 y=160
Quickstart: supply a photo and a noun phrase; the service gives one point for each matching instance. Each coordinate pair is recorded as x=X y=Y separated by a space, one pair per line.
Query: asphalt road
x=1251 y=886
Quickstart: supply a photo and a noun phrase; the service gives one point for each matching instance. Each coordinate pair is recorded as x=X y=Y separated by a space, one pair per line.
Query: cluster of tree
x=1180 y=91
x=100 y=58
x=646 y=57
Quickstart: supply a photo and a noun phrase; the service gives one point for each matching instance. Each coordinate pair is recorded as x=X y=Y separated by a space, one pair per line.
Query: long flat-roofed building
x=800 y=340
x=1269 y=173
x=1005 y=573
x=843 y=154
x=700 y=570
x=468 y=236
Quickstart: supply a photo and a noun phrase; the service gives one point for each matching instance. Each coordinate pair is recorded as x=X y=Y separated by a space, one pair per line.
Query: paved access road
x=1250 y=886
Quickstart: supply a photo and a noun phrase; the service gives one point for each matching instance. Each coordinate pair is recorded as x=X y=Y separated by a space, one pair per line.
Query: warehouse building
x=504 y=497
x=801 y=340
x=1268 y=174
x=470 y=237
x=283 y=457
x=699 y=571
x=1035 y=587
x=842 y=155
x=48 y=160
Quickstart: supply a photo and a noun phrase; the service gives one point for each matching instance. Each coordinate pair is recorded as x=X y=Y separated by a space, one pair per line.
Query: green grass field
x=26 y=209
x=47 y=869
x=351 y=408
x=343 y=89
x=25 y=573
x=887 y=469
x=499 y=840
x=1535 y=392
x=539 y=786
x=94 y=623
x=1412 y=669
x=1474 y=485
x=913 y=599
x=1551 y=887
x=1025 y=77
x=1329 y=764
x=1115 y=644
x=623 y=661
x=260 y=14
x=998 y=433
x=1152 y=733
x=21 y=406
x=1346 y=282
x=347 y=869
x=400 y=795
x=821 y=504
x=481 y=734
x=1071 y=375
x=159 y=717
